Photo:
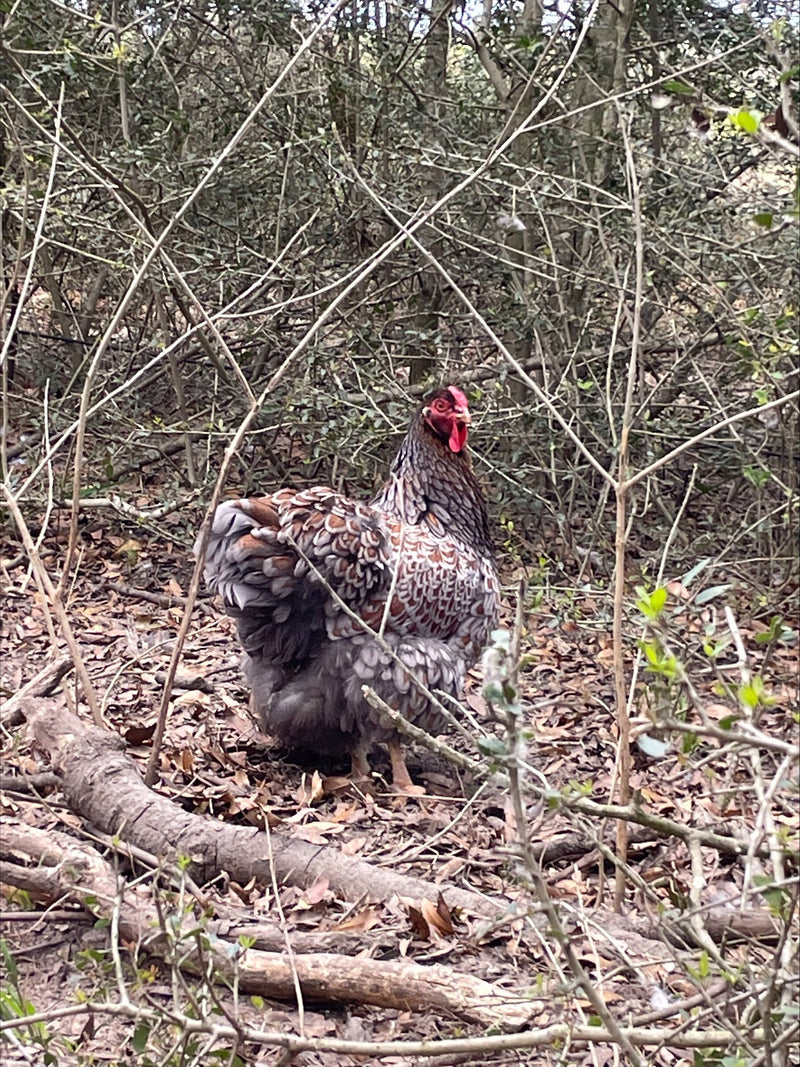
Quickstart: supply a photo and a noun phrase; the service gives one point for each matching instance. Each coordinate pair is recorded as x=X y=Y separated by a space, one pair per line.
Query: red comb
x=459 y=397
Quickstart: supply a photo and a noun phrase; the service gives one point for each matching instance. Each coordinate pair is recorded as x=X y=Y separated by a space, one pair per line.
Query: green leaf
x=493 y=693
x=140 y=1036
x=492 y=746
x=764 y=218
x=689 y=744
x=674 y=86
x=658 y=598
x=713 y=591
x=754 y=693
x=773 y=894
x=10 y=962
x=651 y=604
x=749 y=121
x=757 y=476
x=776 y=632
x=698 y=568
x=653 y=654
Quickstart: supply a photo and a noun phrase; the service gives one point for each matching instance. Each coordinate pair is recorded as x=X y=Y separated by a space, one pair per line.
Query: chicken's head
x=446 y=412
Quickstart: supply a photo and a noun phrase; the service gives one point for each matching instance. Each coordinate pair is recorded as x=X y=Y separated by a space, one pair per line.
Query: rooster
x=330 y=595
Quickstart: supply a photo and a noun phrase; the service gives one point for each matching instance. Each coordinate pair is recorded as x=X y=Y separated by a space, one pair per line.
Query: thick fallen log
x=103 y=785
x=61 y=868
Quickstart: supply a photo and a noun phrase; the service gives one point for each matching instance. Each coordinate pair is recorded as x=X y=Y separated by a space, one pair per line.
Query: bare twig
x=113 y=502
x=433 y=744
x=49 y=592
x=624 y=760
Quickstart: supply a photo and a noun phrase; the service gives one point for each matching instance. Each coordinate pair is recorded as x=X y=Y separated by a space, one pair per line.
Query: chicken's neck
x=432 y=485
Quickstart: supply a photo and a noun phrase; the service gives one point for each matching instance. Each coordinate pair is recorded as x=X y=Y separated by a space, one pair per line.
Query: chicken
x=330 y=594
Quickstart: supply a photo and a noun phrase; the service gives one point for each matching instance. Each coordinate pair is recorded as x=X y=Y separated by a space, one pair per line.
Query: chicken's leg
x=359 y=764
x=401 y=779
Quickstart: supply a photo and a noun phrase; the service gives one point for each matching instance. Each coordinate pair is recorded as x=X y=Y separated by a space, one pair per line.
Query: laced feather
x=416 y=564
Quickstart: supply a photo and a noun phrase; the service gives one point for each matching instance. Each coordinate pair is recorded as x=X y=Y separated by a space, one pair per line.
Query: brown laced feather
x=307 y=576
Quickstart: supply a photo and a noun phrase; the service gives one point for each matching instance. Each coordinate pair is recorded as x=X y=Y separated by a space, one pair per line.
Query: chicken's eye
x=440 y=406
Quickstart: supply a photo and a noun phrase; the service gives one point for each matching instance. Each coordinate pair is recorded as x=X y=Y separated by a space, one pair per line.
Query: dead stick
x=164 y=600
x=58 y=608
x=41 y=685
x=78 y=872
x=103 y=784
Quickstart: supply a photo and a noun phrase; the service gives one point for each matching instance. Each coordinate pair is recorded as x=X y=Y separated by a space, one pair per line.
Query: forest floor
x=215 y=762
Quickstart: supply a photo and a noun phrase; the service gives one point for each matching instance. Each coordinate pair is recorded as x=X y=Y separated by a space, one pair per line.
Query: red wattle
x=458 y=437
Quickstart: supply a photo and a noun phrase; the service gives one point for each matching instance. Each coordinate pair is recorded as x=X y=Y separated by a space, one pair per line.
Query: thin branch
x=51 y=594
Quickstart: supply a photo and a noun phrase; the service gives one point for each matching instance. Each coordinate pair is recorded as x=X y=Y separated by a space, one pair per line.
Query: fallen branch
x=555 y=1036
x=74 y=871
x=37 y=784
x=163 y=600
x=113 y=502
x=41 y=685
x=103 y=785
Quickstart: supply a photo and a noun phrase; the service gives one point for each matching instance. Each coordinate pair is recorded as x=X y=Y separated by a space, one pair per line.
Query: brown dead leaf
x=718 y=711
x=314 y=832
x=678 y=590
x=316 y=1025
x=346 y=813
x=238 y=804
x=245 y=728
x=477 y=703
x=354 y=846
x=335 y=783
x=310 y=791
x=138 y=735
x=261 y=817
x=430 y=921
x=360 y=921
x=192 y=698
x=244 y=892
x=129 y=550
x=449 y=868
x=442 y=918
x=173 y=588
x=419 y=924
x=315 y=893
x=608 y=995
